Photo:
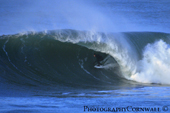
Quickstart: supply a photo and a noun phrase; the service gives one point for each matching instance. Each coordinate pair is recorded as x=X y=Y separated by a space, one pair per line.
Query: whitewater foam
x=154 y=67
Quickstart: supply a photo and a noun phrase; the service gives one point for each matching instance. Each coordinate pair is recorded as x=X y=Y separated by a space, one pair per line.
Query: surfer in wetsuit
x=98 y=58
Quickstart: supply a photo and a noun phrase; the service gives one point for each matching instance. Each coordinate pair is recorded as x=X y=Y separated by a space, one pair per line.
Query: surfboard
x=100 y=66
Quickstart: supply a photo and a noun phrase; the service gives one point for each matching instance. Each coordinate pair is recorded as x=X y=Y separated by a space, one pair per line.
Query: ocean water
x=47 y=63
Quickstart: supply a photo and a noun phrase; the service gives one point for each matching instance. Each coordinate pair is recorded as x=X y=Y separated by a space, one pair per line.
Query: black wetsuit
x=98 y=59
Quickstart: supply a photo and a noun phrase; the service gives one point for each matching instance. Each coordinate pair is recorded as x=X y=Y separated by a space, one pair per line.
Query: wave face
x=65 y=58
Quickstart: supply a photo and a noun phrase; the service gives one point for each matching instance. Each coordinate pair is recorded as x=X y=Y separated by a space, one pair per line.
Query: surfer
x=98 y=58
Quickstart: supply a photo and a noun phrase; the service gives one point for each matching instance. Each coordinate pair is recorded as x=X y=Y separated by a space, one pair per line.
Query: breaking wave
x=65 y=57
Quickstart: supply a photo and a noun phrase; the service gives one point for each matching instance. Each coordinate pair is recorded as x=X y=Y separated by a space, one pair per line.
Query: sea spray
x=155 y=65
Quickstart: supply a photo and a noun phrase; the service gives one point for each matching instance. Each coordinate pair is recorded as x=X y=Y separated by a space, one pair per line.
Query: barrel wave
x=65 y=58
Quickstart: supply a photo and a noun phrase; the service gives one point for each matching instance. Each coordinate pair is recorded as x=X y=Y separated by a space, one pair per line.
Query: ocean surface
x=47 y=63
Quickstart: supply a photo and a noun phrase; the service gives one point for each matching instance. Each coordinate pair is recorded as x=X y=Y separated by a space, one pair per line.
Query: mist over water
x=49 y=15
x=105 y=16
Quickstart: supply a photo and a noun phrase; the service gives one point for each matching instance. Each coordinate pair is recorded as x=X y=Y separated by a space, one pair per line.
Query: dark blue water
x=46 y=56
